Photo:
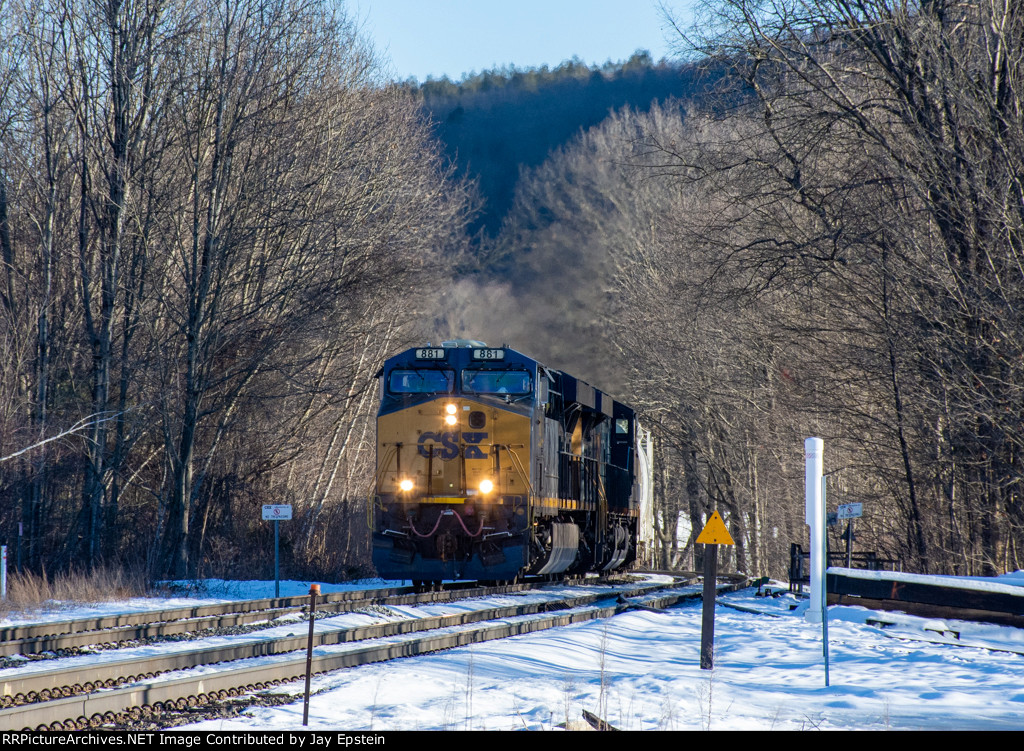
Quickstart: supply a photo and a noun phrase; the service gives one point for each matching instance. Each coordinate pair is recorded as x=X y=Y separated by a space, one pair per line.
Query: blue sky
x=455 y=37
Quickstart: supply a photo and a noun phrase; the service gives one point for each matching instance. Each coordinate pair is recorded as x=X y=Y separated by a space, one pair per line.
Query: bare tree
x=302 y=180
x=213 y=219
x=892 y=132
x=112 y=57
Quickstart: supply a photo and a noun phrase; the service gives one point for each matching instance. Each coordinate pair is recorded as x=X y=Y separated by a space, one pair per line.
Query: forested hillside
x=502 y=130
x=498 y=122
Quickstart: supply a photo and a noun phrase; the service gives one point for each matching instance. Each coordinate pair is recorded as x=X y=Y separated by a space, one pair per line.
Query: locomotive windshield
x=421 y=381
x=515 y=382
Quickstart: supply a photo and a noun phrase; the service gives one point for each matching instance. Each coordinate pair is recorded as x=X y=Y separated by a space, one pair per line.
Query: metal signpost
x=277 y=513
x=850 y=511
x=713 y=535
x=824 y=589
x=314 y=590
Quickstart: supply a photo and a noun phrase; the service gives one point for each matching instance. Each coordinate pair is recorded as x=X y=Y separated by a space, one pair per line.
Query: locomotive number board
x=488 y=354
x=430 y=353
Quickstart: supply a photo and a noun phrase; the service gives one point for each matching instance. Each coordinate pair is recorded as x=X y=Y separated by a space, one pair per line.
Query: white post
x=645 y=465
x=3 y=572
x=814 y=449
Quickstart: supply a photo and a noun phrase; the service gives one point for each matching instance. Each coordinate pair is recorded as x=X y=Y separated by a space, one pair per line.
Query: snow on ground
x=640 y=670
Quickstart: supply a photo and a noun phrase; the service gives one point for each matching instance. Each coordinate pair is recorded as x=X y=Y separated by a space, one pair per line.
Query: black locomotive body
x=491 y=465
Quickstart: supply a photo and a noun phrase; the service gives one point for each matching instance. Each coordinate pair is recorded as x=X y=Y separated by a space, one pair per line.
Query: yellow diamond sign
x=714 y=532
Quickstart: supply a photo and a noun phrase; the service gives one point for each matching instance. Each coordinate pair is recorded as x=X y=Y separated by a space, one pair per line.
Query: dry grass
x=28 y=591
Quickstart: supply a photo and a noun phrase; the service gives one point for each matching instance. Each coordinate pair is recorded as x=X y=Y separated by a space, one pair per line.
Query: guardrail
x=800 y=564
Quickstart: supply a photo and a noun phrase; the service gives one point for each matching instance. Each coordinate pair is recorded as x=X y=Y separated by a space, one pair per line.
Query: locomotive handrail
x=371 y=503
x=522 y=471
x=602 y=509
x=385 y=463
x=371 y=496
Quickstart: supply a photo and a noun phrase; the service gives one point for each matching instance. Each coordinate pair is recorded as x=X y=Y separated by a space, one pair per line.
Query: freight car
x=491 y=465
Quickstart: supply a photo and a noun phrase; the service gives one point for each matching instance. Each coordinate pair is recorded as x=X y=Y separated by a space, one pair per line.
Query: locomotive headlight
x=451 y=409
x=486 y=486
x=450 y=419
x=405 y=485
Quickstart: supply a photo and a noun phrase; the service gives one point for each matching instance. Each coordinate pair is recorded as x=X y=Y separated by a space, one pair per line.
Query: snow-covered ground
x=640 y=670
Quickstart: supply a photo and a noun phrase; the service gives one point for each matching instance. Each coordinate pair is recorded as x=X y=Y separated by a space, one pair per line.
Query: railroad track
x=121 y=691
x=113 y=630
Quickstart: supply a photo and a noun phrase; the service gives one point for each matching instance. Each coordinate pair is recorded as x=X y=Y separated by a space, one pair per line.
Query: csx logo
x=446 y=445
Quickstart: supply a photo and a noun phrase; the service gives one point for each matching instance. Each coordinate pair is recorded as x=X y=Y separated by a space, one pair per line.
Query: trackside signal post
x=713 y=535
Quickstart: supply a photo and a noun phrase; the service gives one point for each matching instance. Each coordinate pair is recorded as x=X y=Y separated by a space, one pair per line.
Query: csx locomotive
x=491 y=465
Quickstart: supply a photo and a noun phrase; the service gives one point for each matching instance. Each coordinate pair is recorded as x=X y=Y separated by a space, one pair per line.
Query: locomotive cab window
x=421 y=381
x=514 y=382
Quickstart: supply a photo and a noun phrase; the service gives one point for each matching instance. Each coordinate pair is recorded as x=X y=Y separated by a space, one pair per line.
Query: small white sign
x=851 y=510
x=277 y=512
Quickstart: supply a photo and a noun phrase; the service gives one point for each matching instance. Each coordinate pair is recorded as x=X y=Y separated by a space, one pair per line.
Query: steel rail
x=252 y=608
x=160 y=629
x=116 y=636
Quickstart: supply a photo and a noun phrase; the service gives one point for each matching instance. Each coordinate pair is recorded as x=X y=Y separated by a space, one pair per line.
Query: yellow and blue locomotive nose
x=451 y=450
x=490 y=465
x=452 y=498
